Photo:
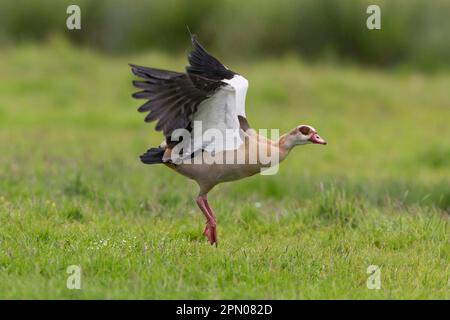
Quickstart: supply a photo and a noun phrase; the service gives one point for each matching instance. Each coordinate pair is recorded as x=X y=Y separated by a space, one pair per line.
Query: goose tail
x=153 y=156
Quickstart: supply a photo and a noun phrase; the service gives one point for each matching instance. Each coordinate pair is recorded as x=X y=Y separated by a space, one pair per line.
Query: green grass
x=72 y=191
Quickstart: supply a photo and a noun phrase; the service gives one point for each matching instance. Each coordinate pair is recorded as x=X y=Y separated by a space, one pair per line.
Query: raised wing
x=173 y=97
x=209 y=92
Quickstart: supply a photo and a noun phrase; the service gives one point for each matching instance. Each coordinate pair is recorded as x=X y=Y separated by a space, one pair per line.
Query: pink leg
x=210 y=230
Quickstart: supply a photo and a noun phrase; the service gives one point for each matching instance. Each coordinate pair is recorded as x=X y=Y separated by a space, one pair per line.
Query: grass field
x=73 y=192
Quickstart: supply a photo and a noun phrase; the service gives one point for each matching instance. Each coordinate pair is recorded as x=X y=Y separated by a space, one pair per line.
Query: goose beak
x=315 y=138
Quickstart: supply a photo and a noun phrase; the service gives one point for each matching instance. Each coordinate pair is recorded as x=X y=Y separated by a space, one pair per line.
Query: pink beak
x=315 y=138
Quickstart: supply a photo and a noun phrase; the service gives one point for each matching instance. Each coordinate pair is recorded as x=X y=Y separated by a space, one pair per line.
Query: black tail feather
x=153 y=156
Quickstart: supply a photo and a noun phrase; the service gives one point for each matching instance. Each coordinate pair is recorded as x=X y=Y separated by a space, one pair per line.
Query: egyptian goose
x=209 y=97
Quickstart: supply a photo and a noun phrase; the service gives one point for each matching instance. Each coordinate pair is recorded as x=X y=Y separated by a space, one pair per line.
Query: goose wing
x=172 y=97
x=224 y=112
x=208 y=92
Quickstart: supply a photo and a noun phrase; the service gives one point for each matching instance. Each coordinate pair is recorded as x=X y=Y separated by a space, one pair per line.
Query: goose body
x=223 y=172
x=207 y=136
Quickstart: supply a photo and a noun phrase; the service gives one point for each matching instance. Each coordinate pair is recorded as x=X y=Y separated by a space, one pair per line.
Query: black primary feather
x=173 y=97
x=205 y=65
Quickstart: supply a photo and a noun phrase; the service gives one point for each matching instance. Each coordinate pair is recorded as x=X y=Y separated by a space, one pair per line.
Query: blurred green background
x=73 y=191
x=414 y=32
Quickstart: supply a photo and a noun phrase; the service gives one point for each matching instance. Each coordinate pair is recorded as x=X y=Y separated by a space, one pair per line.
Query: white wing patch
x=240 y=85
x=219 y=117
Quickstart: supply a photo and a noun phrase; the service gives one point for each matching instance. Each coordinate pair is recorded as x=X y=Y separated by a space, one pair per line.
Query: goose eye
x=304 y=130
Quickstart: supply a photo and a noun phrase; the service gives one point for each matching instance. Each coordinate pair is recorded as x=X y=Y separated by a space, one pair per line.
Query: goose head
x=304 y=134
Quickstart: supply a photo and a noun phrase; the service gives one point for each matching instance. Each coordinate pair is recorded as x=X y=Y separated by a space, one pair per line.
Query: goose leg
x=210 y=230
